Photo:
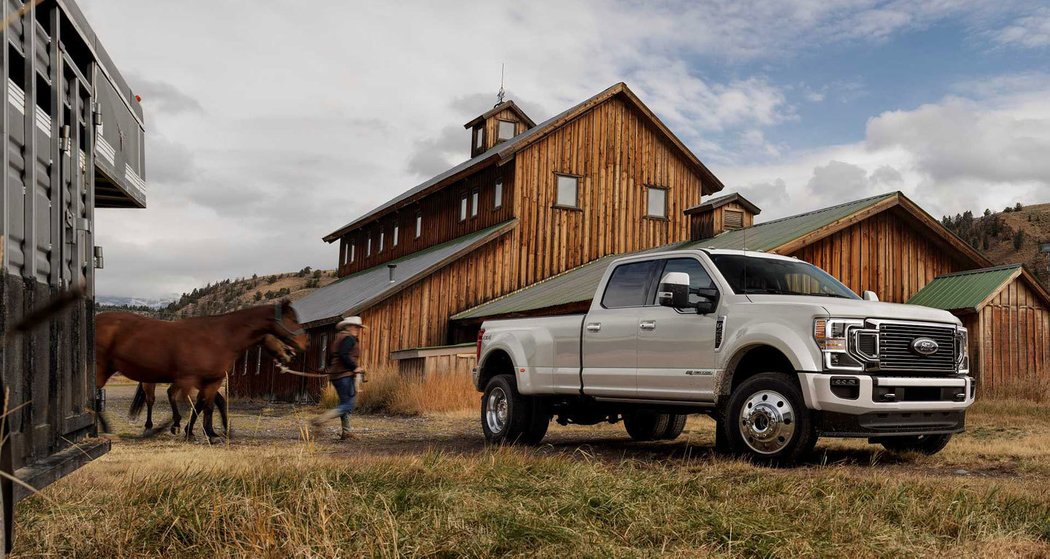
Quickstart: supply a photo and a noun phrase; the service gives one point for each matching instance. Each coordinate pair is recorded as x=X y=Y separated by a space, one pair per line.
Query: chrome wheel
x=496 y=410
x=767 y=422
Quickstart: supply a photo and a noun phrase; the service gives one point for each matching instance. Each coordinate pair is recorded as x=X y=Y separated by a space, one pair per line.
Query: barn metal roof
x=965 y=290
x=578 y=285
x=367 y=287
x=504 y=151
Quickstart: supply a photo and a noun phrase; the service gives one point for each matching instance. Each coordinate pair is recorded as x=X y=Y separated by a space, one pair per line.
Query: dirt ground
x=999 y=442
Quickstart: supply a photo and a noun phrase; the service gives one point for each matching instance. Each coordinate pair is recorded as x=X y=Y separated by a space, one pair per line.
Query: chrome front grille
x=897 y=354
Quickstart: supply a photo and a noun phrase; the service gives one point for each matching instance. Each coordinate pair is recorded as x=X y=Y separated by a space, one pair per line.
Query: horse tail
x=137 y=403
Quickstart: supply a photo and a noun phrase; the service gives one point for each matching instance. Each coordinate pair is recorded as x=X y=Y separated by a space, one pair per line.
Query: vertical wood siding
x=884 y=254
x=1010 y=338
x=616 y=154
x=441 y=221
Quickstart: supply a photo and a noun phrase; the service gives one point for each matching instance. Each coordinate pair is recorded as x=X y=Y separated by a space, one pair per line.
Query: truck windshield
x=772 y=276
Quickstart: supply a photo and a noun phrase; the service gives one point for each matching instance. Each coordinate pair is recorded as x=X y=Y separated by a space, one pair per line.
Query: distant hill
x=233 y=294
x=147 y=302
x=1008 y=237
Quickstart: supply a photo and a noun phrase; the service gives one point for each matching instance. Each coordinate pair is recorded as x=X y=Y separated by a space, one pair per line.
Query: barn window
x=463 y=207
x=734 y=219
x=474 y=204
x=497 y=199
x=397 y=233
x=382 y=239
x=479 y=138
x=506 y=130
x=568 y=191
x=353 y=252
x=657 y=206
x=368 y=252
x=419 y=225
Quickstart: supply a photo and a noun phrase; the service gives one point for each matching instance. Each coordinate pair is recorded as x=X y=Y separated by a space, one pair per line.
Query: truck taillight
x=481 y=333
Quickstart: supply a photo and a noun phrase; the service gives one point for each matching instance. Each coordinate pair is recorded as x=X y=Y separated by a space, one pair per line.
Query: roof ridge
x=987 y=270
x=817 y=211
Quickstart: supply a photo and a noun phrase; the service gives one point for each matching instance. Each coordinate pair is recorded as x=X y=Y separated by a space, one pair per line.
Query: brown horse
x=146 y=393
x=193 y=354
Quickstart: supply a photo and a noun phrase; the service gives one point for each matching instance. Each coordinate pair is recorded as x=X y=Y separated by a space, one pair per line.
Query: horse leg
x=176 y=417
x=198 y=407
x=207 y=396
x=221 y=404
x=151 y=398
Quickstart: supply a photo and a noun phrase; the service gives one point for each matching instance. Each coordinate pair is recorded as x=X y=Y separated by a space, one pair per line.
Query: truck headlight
x=962 y=353
x=832 y=337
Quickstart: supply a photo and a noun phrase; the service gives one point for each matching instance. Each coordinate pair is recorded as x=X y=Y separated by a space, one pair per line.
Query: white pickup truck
x=776 y=350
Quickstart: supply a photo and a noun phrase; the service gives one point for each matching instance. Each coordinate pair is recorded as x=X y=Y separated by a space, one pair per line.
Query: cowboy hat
x=351 y=321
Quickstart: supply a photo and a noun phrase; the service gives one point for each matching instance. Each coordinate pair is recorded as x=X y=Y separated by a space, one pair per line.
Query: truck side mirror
x=870 y=296
x=674 y=290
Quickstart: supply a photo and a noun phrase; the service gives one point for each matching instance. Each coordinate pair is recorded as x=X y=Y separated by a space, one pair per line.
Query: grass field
x=428 y=486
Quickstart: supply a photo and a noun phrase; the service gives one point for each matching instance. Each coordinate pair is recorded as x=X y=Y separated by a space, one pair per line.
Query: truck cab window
x=630 y=285
x=698 y=277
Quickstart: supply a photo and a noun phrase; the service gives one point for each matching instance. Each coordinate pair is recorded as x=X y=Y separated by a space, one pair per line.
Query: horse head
x=282 y=351
x=286 y=327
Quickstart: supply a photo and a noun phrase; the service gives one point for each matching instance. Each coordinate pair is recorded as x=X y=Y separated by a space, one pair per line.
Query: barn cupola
x=498 y=124
x=721 y=214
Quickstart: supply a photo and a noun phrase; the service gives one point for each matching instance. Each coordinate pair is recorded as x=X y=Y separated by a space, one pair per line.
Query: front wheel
x=767 y=420
x=923 y=444
x=507 y=417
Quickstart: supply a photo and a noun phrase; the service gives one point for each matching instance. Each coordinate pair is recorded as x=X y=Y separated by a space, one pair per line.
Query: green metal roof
x=773 y=234
x=964 y=290
x=578 y=285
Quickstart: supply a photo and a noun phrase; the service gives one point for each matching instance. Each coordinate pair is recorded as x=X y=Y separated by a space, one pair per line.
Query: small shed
x=1007 y=313
x=721 y=214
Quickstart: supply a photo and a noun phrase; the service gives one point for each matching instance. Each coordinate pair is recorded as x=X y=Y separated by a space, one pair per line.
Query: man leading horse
x=344 y=371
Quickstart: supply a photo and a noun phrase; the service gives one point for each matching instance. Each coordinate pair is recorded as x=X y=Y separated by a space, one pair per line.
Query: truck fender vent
x=720 y=327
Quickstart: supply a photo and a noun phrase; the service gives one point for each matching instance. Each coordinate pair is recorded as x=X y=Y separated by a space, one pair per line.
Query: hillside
x=1007 y=237
x=230 y=295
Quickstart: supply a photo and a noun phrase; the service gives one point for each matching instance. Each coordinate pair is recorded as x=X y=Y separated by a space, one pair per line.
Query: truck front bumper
x=858 y=405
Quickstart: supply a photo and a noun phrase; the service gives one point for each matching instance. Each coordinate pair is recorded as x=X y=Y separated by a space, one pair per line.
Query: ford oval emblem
x=924 y=346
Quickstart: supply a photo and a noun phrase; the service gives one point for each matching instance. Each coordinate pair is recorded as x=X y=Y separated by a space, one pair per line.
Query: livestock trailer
x=73 y=135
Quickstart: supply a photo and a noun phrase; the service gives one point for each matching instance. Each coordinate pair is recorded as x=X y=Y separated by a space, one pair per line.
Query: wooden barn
x=1007 y=313
x=603 y=177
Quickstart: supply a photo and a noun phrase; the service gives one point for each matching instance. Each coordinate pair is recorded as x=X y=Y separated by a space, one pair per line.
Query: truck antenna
x=501 y=93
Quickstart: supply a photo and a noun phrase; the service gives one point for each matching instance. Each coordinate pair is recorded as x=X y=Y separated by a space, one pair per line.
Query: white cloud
x=270 y=126
x=1032 y=31
x=949 y=156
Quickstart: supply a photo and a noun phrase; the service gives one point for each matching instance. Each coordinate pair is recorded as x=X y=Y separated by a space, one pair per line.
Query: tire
x=675 y=426
x=767 y=420
x=923 y=444
x=514 y=418
x=645 y=425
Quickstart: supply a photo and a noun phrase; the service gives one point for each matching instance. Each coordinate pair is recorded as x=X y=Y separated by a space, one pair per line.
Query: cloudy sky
x=272 y=123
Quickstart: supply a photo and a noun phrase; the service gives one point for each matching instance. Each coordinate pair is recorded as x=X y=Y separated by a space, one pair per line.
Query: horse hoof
x=147 y=432
x=216 y=440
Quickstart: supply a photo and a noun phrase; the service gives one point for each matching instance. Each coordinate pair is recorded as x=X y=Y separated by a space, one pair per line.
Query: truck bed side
x=545 y=352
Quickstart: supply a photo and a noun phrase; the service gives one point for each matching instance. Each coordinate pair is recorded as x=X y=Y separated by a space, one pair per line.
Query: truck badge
x=924 y=346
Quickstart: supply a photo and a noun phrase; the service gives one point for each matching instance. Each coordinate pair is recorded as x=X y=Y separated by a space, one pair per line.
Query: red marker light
x=138 y=98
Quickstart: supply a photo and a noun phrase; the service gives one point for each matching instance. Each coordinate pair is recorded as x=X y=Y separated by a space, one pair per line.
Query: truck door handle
x=648 y=325
x=594 y=327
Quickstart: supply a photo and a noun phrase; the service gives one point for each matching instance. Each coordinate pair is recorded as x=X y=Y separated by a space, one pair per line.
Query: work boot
x=328 y=415
x=346 y=435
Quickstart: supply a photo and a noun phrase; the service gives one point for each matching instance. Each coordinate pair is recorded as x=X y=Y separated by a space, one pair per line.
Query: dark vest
x=336 y=368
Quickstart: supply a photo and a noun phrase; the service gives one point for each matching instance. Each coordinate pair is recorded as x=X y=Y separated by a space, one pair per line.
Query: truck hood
x=855 y=308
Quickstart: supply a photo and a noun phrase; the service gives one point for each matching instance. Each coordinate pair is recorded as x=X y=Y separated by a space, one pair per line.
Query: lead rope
x=284 y=369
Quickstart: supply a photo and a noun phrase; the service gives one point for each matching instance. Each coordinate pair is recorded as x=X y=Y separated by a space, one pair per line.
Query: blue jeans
x=346 y=388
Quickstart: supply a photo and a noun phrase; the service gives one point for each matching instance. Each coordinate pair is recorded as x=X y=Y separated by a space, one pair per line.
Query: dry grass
x=390 y=392
x=267 y=503
x=428 y=487
x=1035 y=389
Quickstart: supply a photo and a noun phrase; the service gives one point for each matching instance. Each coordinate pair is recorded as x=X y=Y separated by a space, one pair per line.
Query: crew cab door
x=676 y=348
x=610 y=331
